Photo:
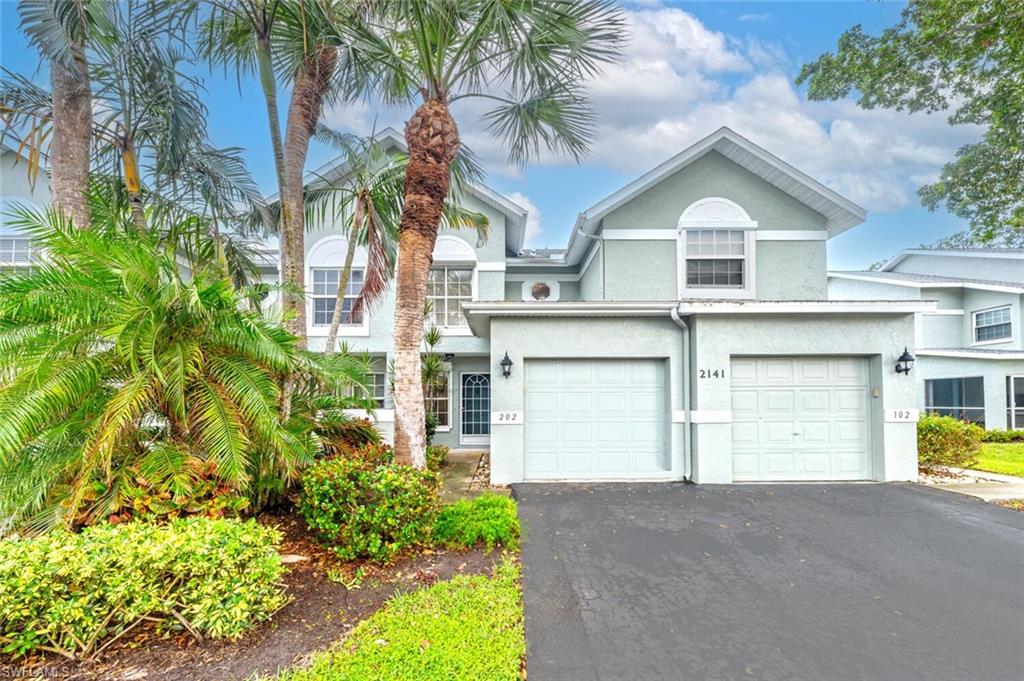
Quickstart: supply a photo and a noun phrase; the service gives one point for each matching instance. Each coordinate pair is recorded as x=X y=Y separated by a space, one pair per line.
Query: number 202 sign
x=506 y=418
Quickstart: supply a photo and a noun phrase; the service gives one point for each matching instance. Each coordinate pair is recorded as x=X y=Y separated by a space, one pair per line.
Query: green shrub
x=371 y=454
x=364 y=512
x=489 y=519
x=72 y=592
x=946 y=441
x=431 y=427
x=437 y=457
x=1003 y=435
x=342 y=432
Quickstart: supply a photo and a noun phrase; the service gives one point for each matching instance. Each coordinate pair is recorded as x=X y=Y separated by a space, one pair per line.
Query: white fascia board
x=929 y=284
x=807 y=307
x=640 y=234
x=491 y=266
x=559 y=309
x=967 y=354
x=791 y=235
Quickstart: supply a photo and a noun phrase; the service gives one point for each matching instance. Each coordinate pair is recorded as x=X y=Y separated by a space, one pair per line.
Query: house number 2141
x=711 y=373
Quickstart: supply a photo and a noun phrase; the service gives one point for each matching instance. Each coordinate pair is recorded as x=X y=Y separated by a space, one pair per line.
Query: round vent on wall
x=540 y=291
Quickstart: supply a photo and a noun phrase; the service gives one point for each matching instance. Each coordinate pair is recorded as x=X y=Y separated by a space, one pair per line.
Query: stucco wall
x=640 y=270
x=592 y=276
x=880 y=339
x=791 y=270
x=554 y=338
x=974 y=301
x=981 y=267
x=854 y=289
x=14 y=181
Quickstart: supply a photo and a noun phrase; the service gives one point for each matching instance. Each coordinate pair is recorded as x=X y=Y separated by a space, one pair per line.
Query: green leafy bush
x=946 y=441
x=73 y=593
x=1003 y=435
x=430 y=427
x=340 y=434
x=489 y=519
x=365 y=512
x=371 y=454
x=437 y=457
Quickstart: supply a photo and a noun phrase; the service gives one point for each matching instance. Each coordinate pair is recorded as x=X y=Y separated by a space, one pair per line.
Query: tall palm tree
x=530 y=60
x=59 y=29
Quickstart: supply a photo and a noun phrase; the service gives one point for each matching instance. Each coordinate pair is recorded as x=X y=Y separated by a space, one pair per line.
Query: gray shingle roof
x=929 y=278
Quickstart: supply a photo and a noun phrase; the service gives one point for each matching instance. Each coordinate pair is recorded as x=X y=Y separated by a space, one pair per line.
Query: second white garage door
x=595 y=419
x=800 y=418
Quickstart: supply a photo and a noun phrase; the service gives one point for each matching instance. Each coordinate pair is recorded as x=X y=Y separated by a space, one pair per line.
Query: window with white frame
x=447 y=288
x=716 y=258
x=17 y=253
x=325 y=293
x=437 y=401
x=992 y=325
x=378 y=383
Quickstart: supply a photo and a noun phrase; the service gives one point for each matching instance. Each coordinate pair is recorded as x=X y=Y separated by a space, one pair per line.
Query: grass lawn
x=468 y=628
x=1001 y=457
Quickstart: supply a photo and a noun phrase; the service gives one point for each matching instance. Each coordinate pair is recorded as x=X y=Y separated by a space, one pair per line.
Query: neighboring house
x=16 y=250
x=970 y=351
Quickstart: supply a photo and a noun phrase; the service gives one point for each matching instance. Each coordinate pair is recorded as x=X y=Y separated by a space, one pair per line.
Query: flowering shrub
x=75 y=593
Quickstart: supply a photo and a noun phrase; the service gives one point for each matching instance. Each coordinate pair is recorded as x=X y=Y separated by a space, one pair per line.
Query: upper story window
x=992 y=326
x=325 y=296
x=716 y=250
x=715 y=258
x=447 y=288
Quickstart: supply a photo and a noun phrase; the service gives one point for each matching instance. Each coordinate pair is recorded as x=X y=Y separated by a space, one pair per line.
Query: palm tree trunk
x=72 y=133
x=433 y=141
x=269 y=86
x=304 y=110
x=346 y=274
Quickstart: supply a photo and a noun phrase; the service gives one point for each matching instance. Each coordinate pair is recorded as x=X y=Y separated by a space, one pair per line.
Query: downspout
x=599 y=241
x=681 y=323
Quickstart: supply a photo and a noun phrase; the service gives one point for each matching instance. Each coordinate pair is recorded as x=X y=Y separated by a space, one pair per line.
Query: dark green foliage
x=946 y=441
x=431 y=427
x=69 y=593
x=364 y=512
x=371 y=454
x=490 y=519
x=343 y=434
x=967 y=56
x=437 y=457
x=1003 y=435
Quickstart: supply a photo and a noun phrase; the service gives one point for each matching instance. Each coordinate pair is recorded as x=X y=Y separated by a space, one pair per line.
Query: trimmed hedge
x=946 y=441
x=369 y=512
x=1003 y=435
x=73 y=593
x=489 y=519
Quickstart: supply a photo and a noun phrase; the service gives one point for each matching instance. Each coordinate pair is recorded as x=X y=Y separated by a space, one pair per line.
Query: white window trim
x=448 y=428
x=998 y=341
x=471 y=439
x=314 y=261
x=312 y=306
x=733 y=217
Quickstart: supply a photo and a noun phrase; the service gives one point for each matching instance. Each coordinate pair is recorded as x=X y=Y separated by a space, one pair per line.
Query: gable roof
x=390 y=138
x=1001 y=253
x=840 y=213
x=923 y=281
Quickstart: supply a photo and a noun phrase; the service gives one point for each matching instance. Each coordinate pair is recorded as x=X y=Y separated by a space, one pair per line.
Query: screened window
x=17 y=253
x=961 y=398
x=447 y=289
x=716 y=258
x=437 y=400
x=325 y=292
x=992 y=325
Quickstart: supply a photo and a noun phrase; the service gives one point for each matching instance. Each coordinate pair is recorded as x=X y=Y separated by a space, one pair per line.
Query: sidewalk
x=983 y=485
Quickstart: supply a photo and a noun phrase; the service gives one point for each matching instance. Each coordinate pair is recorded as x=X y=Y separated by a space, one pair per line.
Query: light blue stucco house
x=970 y=350
x=684 y=332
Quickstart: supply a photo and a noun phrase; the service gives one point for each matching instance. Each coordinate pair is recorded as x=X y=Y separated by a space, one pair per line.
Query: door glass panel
x=476 y=405
x=1015 y=402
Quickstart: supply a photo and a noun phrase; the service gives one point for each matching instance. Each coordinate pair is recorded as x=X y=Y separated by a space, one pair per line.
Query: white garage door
x=595 y=419
x=800 y=418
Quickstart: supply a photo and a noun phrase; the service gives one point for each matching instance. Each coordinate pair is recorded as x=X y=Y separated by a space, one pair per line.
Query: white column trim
x=710 y=416
x=491 y=266
x=790 y=235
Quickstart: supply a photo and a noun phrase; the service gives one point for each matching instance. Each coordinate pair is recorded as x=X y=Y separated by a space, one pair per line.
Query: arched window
x=716 y=250
x=323 y=272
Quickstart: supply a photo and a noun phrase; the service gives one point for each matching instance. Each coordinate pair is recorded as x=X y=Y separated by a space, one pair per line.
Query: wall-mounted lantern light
x=448 y=357
x=904 y=363
x=506 y=366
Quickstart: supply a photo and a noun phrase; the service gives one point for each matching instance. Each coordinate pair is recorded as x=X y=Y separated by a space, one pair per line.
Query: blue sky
x=689 y=68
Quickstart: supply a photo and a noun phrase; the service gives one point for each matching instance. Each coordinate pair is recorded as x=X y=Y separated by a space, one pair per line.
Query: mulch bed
x=320 y=613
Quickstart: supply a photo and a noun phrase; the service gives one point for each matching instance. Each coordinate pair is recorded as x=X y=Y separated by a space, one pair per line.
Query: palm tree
x=117 y=370
x=59 y=29
x=530 y=60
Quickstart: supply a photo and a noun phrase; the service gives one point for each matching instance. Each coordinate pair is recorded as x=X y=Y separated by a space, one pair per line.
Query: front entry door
x=1014 y=402
x=476 y=409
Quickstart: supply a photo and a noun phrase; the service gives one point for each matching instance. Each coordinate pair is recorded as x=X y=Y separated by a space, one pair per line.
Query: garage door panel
x=800 y=418
x=608 y=419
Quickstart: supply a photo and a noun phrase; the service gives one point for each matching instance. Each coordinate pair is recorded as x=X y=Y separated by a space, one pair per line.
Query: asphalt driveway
x=672 y=581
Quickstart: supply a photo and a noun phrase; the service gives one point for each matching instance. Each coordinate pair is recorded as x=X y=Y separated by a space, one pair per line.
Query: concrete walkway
x=886 y=582
x=983 y=485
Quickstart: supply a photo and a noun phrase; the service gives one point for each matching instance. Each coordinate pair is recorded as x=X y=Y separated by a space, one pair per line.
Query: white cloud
x=679 y=80
x=755 y=17
x=533 y=225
